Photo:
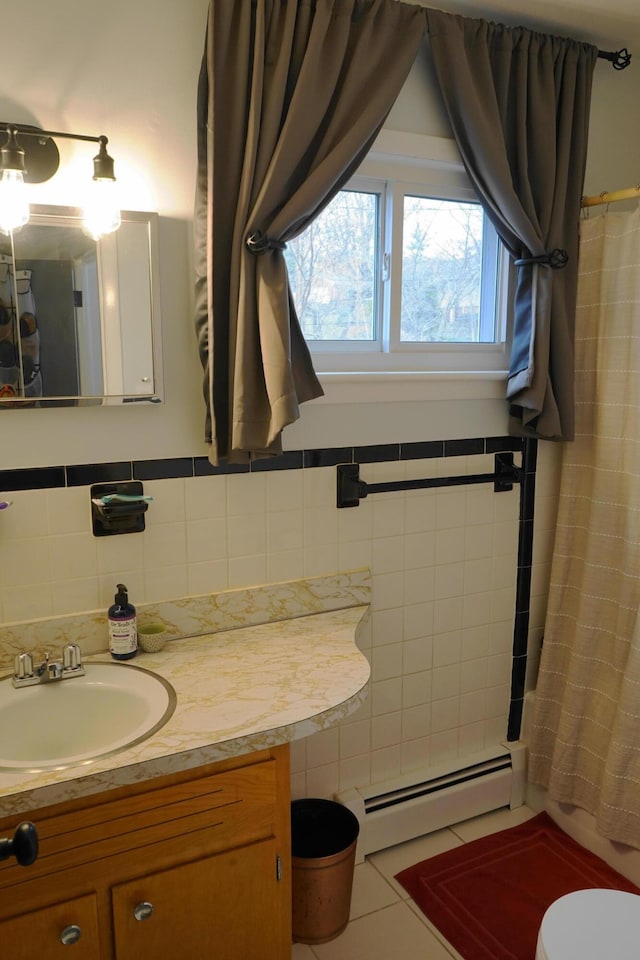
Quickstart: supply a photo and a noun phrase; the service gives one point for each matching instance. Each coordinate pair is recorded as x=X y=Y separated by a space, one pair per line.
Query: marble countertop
x=238 y=690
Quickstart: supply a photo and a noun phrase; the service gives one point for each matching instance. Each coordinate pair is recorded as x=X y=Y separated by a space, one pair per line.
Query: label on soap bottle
x=123 y=637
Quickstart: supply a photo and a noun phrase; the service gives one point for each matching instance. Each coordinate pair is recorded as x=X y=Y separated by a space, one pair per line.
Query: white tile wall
x=444 y=566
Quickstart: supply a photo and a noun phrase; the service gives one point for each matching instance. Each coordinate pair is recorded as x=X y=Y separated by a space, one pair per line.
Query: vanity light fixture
x=35 y=160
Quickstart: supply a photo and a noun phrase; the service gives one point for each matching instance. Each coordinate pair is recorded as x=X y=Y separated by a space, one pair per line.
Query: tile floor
x=384 y=923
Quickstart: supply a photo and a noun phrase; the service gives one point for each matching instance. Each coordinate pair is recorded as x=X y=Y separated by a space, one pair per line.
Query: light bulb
x=101 y=214
x=14 y=204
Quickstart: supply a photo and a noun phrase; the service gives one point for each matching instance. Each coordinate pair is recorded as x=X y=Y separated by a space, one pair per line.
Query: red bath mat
x=488 y=897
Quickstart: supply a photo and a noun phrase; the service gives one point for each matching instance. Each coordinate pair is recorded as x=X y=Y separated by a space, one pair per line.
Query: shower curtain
x=586 y=727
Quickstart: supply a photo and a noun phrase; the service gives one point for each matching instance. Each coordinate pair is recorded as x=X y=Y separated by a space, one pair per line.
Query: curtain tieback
x=557 y=259
x=258 y=243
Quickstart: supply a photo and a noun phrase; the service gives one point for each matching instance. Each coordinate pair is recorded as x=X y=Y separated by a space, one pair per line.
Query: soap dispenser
x=123 y=632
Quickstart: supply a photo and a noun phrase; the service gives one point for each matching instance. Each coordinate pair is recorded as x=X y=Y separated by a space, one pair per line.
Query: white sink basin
x=75 y=721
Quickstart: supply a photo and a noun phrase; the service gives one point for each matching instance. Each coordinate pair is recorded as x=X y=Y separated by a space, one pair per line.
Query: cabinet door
x=47 y=934
x=226 y=907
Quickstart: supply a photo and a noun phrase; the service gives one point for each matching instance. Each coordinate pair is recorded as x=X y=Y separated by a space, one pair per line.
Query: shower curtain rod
x=629 y=193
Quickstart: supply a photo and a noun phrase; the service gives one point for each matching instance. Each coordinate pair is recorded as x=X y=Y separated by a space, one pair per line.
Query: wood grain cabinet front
x=224 y=906
x=189 y=866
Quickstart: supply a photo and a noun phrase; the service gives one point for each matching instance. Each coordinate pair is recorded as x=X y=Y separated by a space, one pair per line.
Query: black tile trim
x=530 y=455
x=329 y=457
x=525 y=543
x=202 y=467
x=37 y=478
x=521 y=636
x=163 y=469
x=291 y=460
x=528 y=498
x=461 y=448
x=174 y=467
x=523 y=589
x=499 y=444
x=518 y=676
x=86 y=474
x=514 y=723
x=377 y=453
x=425 y=450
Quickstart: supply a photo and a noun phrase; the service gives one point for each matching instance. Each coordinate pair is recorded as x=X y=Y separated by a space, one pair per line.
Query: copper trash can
x=324 y=834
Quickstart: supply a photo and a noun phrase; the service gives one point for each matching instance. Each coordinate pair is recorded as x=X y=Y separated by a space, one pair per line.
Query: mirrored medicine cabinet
x=79 y=318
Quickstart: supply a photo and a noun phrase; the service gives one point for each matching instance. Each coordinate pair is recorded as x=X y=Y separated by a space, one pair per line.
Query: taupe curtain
x=518 y=102
x=584 y=743
x=291 y=96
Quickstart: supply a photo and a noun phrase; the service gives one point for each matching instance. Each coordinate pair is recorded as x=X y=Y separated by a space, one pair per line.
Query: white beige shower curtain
x=586 y=727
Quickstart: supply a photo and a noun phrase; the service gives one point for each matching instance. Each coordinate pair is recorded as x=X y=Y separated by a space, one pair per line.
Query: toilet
x=591 y=925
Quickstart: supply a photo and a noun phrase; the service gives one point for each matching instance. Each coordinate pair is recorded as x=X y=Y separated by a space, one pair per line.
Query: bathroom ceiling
x=609 y=25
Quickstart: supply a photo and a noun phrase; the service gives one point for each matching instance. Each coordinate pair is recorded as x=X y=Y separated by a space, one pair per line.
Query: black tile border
x=523 y=587
x=163 y=469
x=378 y=453
x=291 y=460
x=203 y=468
x=329 y=457
x=461 y=448
x=36 y=478
x=425 y=450
x=86 y=474
x=81 y=474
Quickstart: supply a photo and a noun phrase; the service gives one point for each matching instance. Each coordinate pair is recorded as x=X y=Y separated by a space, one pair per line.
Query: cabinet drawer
x=41 y=934
x=232 y=807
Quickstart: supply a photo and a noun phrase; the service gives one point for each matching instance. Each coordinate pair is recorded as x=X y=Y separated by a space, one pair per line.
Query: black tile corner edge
x=290 y=460
x=167 y=469
x=422 y=450
x=527 y=496
x=518 y=677
x=515 y=720
x=523 y=589
x=84 y=474
x=525 y=543
x=460 y=448
x=498 y=444
x=377 y=453
x=327 y=456
x=202 y=467
x=36 y=478
x=521 y=634
x=530 y=455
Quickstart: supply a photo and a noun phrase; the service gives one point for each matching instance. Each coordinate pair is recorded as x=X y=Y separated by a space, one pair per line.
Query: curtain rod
x=619 y=58
x=629 y=193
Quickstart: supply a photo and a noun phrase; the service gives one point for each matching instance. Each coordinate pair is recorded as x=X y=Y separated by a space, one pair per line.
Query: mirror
x=79 y=318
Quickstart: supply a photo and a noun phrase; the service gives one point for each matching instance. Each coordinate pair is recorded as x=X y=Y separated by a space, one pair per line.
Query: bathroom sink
x=76 y=721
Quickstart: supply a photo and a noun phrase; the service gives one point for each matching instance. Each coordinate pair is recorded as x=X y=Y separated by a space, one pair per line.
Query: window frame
x=402 y=164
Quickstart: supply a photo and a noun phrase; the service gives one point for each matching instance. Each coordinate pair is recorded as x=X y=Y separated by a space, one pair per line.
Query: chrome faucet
x=26 y=674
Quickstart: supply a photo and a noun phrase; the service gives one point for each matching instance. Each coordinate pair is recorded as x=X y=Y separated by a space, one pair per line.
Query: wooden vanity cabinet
x=192 y=866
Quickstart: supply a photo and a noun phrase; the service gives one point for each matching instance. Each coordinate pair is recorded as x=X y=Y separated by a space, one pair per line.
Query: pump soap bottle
x=123 y=633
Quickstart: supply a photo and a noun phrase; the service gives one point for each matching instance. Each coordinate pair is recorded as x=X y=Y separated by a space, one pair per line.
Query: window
x=399 y=274
x=333 y=270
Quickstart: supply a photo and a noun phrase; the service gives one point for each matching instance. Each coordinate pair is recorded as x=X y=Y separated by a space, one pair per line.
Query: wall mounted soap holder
x=118 y=507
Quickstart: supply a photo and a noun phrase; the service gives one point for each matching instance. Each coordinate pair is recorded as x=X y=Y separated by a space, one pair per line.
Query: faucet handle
x=23 y=666
x=72 y=657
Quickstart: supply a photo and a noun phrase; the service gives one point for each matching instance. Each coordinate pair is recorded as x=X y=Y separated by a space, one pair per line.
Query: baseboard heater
x=408 y=807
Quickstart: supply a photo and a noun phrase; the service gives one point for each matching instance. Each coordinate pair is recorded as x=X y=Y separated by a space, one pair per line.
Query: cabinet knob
x=70 y=934
x=143 y=911
x=23 y=846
